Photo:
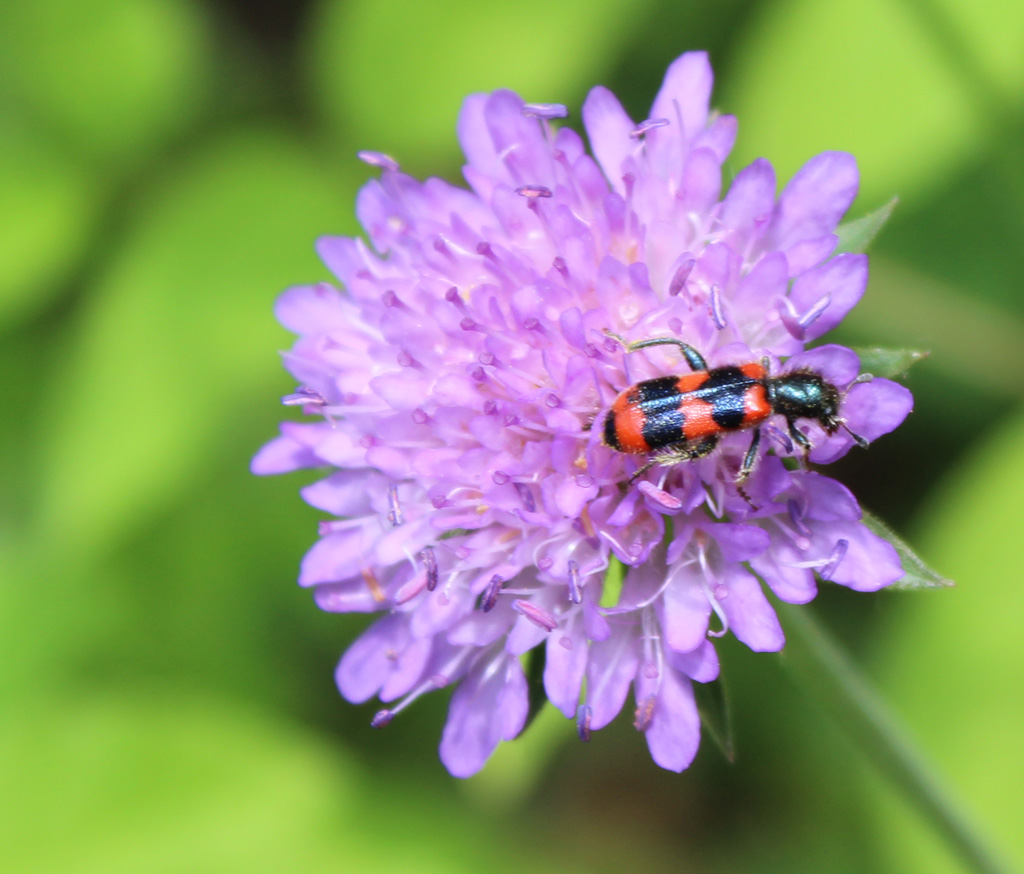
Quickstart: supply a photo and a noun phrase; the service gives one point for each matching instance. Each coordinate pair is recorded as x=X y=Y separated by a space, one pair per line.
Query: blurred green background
x=167 y=691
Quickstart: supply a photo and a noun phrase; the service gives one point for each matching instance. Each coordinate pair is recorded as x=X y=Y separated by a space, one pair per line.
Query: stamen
x=811 y=316
x=705 y=577
x=860 y=441
x=583 y=715
x=649 y=124
x=410 y=590
x=467 y=324
x=575 y=585
x=429 y=559
x=837 y=555
x=537 y=615
x=796 y=515
x=644 y=713
x=659 y=496
x=419 y=416
x=715 y=307
x=526 y=496
x=389 y=298
x=490 y=596
x=378 y=159
x=304 y=396
x=681 y=275
x=394 y=508
x=382 y=718
x=545 y=110
x=533 y=191
x=499 y=477
x=373 y=584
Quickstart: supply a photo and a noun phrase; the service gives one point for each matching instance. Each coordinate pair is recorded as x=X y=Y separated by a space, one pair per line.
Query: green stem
x=827 y=673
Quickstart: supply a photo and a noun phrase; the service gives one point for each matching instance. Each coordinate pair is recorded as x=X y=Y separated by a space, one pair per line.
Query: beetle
x=682 y=418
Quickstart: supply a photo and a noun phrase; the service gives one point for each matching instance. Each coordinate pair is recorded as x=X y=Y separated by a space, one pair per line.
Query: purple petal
x=739 y=542
x=751 y=617
x=814 y=201
x=869 y=562
x=310 y=309
x=700 y=664
x=488 y=706
x=777 y=567
x=345 y=493
x=837 y=286
x=751 y=198
x=610 y=670
x=877 y=407
x=338 y=556
x=282 y=455
x=685 y=93
x=674 y=731
x=827 y=499
x=564 y=667
x=686 y=613
x=608 y=128
x=871 y=409
x=810 y=253
x=384 y=659
x=837 y=364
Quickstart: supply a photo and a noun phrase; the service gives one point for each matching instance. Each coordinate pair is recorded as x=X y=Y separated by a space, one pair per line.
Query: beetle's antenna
x=864 y=377
x=860 y=441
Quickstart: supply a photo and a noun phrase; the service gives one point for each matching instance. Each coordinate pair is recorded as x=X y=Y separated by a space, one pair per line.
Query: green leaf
x=392 y=74
x=713 y=707
x=917 y=574
x=856 y=235
x=888 y=363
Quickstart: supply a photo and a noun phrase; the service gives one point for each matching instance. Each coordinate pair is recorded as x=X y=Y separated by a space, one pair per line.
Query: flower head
x=457 y=386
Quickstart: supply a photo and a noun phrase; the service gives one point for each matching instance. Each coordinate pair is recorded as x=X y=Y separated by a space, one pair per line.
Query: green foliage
x=168 y=692
x=856 y=235
x=954 y=658
x=112 y=77
x=713 y=706
x=917 y=575
x=888 y=363
x=401 y=95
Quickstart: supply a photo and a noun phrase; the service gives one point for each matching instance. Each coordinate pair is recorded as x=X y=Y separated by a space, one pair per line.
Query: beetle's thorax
x=804 y=394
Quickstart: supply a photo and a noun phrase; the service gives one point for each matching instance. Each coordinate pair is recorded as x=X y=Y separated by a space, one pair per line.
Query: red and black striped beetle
x=682 y=418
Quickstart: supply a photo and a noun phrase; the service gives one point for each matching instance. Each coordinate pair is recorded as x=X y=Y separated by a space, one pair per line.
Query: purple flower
x=453 y=383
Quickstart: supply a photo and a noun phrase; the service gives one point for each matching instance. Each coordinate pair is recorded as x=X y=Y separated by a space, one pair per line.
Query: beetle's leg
x=679 y=454
x=801 y=440
x=641 y=471
x=692 y=356
x=750 y=459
